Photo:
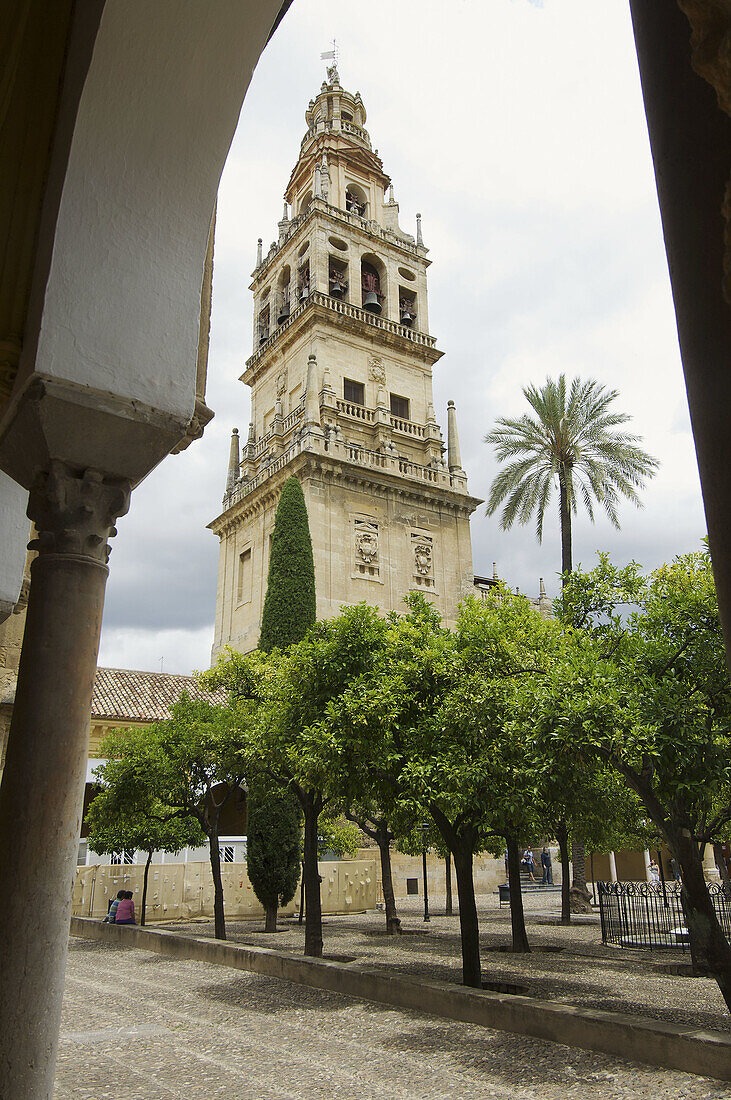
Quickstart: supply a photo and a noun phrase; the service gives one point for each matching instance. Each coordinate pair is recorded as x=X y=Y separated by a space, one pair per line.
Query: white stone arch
x=116 y=295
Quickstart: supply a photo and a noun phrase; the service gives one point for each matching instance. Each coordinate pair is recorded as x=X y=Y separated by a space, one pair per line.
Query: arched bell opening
x=372 y=284
x=305 y=203
x=303 y=280
x=407 y=306
x=337 y=278
x=283 y=294
x=263 y=324
x=356 y=200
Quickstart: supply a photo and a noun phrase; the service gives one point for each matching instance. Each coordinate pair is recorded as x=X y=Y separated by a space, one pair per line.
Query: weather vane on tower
x=331 y=55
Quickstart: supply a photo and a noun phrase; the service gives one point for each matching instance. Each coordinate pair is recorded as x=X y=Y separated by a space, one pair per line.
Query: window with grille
x=399 y=406
x=227 y=853
x=354 y=391
x=124 y=856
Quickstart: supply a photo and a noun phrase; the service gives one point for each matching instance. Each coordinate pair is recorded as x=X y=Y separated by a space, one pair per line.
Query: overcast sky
x=517 y=130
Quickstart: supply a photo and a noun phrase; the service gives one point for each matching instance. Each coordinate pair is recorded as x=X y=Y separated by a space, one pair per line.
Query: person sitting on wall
x=126 y=909
x=111 y=917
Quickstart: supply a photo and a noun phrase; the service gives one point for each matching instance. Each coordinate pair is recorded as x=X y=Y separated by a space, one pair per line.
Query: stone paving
x=138 y=1026
x=570 y=964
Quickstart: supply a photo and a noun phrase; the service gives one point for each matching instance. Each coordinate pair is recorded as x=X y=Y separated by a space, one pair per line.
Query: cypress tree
x=273 y=848
x=289 y=605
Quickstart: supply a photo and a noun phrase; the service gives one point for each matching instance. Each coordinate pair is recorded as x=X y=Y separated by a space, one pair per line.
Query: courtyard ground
x=138 y=1026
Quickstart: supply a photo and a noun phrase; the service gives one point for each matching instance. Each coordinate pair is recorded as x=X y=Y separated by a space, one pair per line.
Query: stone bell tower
x=341 y=397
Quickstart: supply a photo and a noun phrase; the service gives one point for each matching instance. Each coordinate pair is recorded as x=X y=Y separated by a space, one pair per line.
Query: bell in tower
x=370 y=283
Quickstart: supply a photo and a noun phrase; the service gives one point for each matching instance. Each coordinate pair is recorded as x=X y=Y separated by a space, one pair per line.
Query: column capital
x=75 y=511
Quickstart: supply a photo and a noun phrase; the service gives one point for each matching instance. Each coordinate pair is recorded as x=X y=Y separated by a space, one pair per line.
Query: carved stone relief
x=366 y=547
x=377 y=370
x=422 y=547
x=282 y=382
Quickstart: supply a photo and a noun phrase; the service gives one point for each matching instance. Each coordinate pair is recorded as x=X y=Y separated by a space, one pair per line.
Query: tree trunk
x=448 y=881
x=710 y=950
x=517 y=916
x=580 y=896
x=565 y=517
x=313 y=907
x=562 y=836
x=270 y=918
x=383 y=839
x=468 y=924
x=144 y=889
x=219 y=921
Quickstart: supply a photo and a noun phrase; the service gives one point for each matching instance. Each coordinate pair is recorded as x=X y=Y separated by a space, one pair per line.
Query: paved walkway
x=138 y=1026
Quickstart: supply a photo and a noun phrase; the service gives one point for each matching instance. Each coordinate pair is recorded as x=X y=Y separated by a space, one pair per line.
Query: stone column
x=710 y=870
x=648 y=872
x=612 y=867
x=454 y=460
x=41 y=795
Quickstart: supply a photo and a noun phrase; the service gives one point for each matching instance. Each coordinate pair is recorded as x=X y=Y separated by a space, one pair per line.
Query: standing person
x=654 y=872
x=529 y=863
x=111 y=917
x=547 y=879
x=126 y=909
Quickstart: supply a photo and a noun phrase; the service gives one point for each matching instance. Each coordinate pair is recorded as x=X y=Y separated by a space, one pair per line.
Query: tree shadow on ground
x=516 y=1060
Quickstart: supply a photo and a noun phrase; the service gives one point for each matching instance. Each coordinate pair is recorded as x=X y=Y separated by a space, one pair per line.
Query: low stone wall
x=183 y=891
x=488 y=873
x=634 y=1037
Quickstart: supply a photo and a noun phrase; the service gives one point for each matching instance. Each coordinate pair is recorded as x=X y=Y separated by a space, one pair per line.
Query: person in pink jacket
x=126 y=909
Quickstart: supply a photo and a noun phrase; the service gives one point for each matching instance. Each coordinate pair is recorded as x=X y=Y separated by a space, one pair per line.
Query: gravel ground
x=582 y=972
x=138 y=1026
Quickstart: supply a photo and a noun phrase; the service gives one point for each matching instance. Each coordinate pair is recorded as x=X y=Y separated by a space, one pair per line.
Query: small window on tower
x=243 y=587
x=354 y=391
x=399 y=406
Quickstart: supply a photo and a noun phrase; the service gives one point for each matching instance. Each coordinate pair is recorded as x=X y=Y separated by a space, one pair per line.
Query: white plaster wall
x=14 y=535
x=158 y=111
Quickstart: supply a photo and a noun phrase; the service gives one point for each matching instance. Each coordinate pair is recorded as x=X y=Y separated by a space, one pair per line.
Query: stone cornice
x=333 y=311
x=378 y=482
x=369 y=229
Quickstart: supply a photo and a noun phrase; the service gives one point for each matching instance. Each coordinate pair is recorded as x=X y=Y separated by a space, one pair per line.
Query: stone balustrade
x=346 y=310
x=372 y=227
x=409 y=427
x=358 y=412
x=347 y=453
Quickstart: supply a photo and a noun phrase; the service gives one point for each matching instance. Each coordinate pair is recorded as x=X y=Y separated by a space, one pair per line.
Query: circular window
x=337 y=243
x=304 y=248
x=406 y=274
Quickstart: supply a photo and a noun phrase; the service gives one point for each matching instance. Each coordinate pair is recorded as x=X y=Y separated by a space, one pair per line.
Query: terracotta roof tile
x=143 y=696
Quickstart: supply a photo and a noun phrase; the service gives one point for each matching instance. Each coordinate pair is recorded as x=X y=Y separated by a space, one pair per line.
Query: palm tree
x=571 y=443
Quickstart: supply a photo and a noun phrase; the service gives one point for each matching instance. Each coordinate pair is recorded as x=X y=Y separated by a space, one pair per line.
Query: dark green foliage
x=273 y=847
x=289 y=606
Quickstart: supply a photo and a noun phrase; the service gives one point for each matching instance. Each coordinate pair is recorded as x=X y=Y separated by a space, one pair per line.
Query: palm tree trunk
x=567 y=563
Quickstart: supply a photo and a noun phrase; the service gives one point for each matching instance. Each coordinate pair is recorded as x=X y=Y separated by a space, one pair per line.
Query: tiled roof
x=143 y=696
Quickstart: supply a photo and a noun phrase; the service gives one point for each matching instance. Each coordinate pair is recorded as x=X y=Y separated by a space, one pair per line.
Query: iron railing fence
x=646 y=914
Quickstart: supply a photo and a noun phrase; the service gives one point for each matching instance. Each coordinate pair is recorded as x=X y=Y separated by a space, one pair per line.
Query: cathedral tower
x=341 y=397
